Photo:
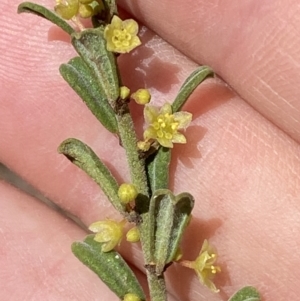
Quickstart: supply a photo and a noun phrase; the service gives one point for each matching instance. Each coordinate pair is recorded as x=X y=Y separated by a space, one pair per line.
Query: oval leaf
x=247 y=293
x=84 y=157
x=190 y=84
x=110 y=267
x=39 y=10
x=91 y=46
x=79 y=77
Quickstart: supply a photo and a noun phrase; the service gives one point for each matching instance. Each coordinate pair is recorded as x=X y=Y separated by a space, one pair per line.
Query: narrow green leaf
x=110 y=267
x=168 y=218
x=161 y=214
x=83 y=156
x=190 y=84
x=78 y=76
x=158 y=169
x=247 y=293
x=39 y=10
x=91 y=46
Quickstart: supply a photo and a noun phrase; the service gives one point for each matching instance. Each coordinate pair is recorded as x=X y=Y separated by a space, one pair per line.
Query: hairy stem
x=139 y=179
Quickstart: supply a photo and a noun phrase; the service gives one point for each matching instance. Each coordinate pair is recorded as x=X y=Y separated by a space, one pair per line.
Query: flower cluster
x=121 y=36
x=204 y=266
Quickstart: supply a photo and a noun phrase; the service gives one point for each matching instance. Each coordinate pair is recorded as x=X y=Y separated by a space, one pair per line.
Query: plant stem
x=129 y=142
x=157 y=287
x=139 y=179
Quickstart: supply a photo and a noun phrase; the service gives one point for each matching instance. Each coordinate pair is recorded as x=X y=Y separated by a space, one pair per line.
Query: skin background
x=241 y=162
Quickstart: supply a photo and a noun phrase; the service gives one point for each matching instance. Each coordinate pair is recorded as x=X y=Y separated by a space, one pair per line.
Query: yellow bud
x=141 y=96
x=133 y=235
x=85 y=11
x=127 y=193
x=143 y=145
x=131 y=297
x=124 y=92
x=67 y=9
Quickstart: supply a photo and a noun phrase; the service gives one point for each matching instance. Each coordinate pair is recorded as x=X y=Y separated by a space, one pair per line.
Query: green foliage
x=84 y=157
x=78 y=76
x=110 y=267
x=247 y=293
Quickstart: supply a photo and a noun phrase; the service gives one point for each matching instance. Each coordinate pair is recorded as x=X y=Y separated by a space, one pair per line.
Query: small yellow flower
x=133 y=235
x=67 y=9
x=131 y=297
x=121 y=36
x=127 y=193
x=108 y=232
x=164 y=126
x=141 y=96
x=204 y=266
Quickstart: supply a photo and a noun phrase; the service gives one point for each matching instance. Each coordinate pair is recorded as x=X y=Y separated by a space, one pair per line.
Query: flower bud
x=127 y=193
x=67 y=9
x=133 y=235
x=141 y=96
x=124 y=92
x=85 y=11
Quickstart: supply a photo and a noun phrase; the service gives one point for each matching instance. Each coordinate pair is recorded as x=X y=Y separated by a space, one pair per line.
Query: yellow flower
x=67 y=9
x=164 y=126
x=204 y=266
x=108 y=232
x=121 y=36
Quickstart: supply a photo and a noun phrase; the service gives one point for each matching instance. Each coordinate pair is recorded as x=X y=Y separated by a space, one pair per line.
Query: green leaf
x=83 y=156
x=110 y=267
x=78 y=76
x=91 y=46
x=190 y=84
x=39 y=10
x=168 y=218
x=247 y=293
x=158 y=169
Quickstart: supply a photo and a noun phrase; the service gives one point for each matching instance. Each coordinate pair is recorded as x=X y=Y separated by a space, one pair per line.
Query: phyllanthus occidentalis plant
x=156 y=217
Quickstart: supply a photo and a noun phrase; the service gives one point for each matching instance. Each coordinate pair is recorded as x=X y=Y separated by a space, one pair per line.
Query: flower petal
x=166 y=109
x=179 y=138
x=116 y=22
x=131 y=26
x=165 y=142
x=184 y=119
x=150 y=133
x=150 y=114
